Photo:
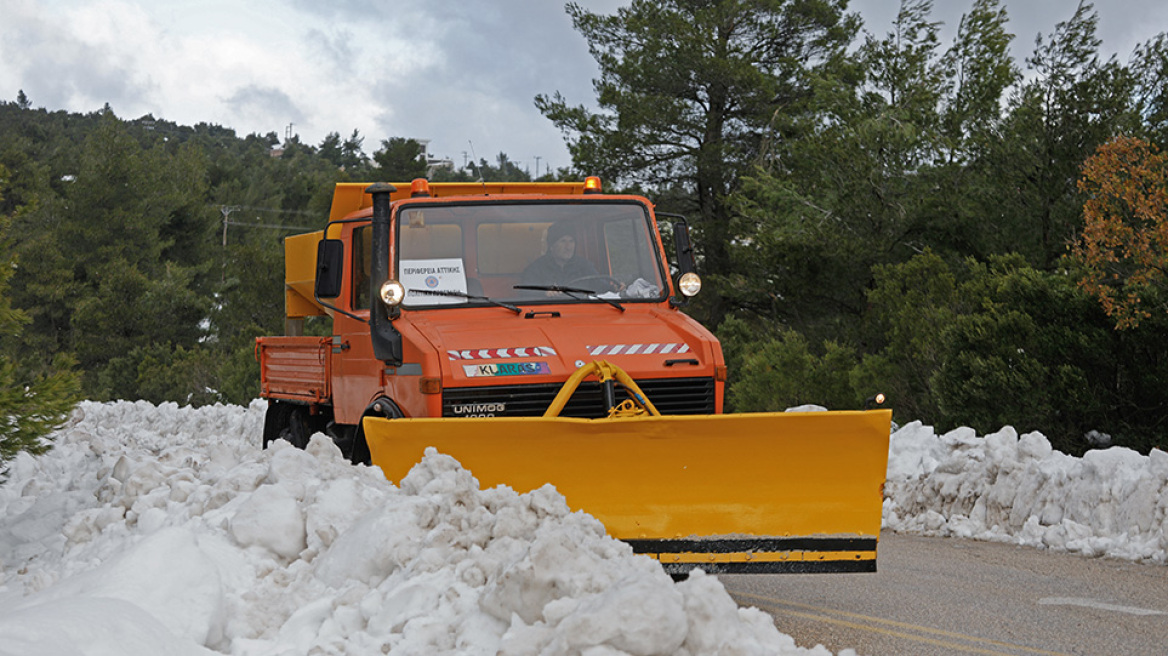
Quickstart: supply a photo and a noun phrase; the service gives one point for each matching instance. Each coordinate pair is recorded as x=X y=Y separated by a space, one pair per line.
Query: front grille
x=671 y=396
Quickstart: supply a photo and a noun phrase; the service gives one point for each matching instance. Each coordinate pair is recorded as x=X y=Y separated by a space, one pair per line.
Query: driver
x=559 y=265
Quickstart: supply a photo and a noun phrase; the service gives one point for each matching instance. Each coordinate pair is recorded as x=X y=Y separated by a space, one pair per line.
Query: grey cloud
x=347 y=10
x=336 y=47
x=258 y=102
x=58 y=73
x=496 y=57
x=518 y=47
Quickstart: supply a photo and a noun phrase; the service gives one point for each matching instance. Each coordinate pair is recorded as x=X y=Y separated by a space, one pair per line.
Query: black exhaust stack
x=387 y=341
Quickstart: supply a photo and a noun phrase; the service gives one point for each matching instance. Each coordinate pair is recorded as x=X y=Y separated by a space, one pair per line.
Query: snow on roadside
x=1010 y=488
x=154 y=530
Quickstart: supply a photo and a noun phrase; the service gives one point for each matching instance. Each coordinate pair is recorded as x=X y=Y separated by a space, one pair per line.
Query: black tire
x=289 y=422
x=380 y=408
x=360 y=454
x=275 y=419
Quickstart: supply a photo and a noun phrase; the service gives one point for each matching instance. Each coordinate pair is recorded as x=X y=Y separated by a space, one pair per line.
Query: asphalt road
x=947 y=596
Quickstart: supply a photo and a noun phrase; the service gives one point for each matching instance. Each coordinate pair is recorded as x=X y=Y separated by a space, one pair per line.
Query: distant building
x=433 y=163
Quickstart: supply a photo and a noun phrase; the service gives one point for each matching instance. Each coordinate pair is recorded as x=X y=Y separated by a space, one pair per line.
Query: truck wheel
x=289 y=422
x=360 y=454
x=380 y=408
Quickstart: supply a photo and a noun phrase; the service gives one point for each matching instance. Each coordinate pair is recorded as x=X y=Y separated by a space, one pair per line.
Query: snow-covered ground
x=151 y=530
x=1011 y=488
x=168 y=530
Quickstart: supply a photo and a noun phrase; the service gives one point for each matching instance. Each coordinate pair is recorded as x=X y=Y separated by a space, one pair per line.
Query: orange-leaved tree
x=1124 y=245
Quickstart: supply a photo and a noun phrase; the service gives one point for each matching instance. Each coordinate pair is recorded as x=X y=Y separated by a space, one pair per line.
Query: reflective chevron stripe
x=638 y=349
x=502 y=353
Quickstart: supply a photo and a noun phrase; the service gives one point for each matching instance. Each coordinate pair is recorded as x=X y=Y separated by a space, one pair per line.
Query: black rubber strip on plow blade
x=803 y=545
x=776 y=567
x=741 y=545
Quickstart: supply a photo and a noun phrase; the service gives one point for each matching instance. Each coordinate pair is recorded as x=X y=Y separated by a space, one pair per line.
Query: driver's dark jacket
x=545 y=271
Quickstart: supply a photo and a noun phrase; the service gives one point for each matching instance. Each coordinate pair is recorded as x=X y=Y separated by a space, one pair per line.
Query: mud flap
x=761 y=492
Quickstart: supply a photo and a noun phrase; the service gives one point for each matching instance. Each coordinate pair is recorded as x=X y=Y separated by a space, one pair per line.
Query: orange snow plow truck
x=533 y=332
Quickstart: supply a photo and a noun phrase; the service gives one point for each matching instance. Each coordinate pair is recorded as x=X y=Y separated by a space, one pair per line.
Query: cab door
x=357 y=378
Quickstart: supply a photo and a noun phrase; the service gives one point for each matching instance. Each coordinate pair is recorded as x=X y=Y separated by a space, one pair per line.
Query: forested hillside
x=875 y=212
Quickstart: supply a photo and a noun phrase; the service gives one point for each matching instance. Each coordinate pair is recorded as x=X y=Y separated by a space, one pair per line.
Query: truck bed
x=295 y=368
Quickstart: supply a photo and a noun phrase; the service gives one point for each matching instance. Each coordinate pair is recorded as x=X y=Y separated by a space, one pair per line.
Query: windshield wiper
x=571 y=291
x=472 y=297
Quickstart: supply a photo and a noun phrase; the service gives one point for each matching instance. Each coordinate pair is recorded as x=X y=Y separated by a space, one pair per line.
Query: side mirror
x=685 y=257
x=330 y=265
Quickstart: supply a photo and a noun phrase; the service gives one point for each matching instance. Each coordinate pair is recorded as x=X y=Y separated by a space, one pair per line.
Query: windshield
x=527 y=252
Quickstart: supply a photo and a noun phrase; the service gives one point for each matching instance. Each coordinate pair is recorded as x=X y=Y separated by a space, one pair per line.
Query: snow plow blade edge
x=736 y=493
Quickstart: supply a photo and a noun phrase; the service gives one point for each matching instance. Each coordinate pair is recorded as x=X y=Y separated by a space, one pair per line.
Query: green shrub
x=1036 y=354
x=783 y=372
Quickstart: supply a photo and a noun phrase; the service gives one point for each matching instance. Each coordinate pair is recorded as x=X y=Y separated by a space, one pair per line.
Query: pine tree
x=400 y=160
x=691 y=93
x=31 y=405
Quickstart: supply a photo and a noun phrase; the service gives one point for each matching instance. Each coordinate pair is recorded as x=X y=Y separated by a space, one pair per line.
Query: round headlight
x=392 y=292
x=689 y=284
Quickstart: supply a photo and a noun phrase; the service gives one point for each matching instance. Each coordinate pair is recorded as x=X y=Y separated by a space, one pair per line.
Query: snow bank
x=168 y=530
x=1002 y=487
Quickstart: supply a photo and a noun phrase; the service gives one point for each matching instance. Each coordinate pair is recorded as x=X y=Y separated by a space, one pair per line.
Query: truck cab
x=481 y=300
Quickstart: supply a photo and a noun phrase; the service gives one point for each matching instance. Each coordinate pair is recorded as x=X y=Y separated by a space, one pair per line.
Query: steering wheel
x=614 y=284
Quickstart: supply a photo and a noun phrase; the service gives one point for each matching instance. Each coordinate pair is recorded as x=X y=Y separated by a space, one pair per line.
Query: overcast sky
x=461 y=73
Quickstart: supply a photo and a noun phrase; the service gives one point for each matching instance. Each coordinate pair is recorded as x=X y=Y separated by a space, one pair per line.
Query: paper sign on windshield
x=443 y=274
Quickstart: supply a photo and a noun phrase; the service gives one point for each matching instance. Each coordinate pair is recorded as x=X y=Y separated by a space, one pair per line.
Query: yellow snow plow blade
x=767 y=492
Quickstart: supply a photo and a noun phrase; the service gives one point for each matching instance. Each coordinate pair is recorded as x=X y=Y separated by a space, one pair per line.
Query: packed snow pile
x=169 y=531
x=1110 y=502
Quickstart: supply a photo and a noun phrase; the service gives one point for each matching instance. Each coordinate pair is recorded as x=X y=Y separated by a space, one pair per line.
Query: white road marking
x=1093 y=603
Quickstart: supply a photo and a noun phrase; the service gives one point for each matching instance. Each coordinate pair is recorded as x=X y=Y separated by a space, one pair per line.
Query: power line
x=264 y=225
x=226 y=211
x=272 y=210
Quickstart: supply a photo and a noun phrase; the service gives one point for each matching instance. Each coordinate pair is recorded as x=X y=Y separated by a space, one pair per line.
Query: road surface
x=948 y=596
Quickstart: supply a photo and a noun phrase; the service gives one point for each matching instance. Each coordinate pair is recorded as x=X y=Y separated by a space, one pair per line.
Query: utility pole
x=226 y=210
x=537 y=158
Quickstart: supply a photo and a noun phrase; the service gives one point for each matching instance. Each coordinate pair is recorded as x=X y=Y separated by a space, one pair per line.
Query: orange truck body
x=454 y=358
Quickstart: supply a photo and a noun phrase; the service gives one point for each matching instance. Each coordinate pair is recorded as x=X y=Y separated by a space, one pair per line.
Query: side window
x=362 y=263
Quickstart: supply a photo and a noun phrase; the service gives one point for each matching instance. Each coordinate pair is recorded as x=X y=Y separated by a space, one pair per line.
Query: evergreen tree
x=689 y=93
x=400 y=160
x=352 y=155
x=980 y=71
x=1070 y=104
x=959 y=214
x=121 y=258
x=330 y=149
x=34 y=399
x=852 y=190
x=1149 y=65
x=504 y=171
